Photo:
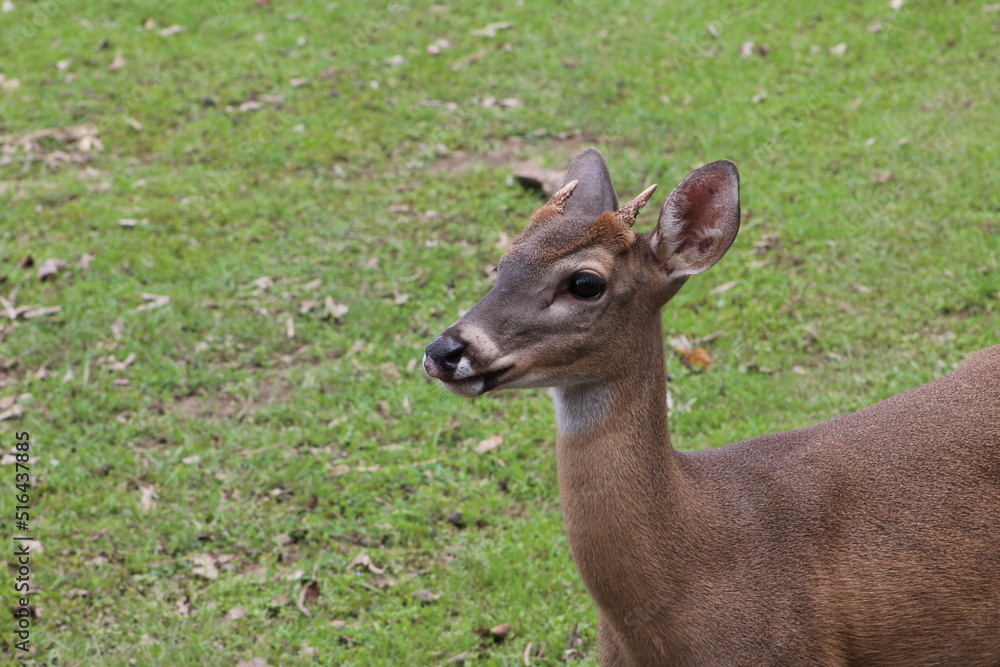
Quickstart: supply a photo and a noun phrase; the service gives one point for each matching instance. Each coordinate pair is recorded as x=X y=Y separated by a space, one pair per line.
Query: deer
x=872 y=538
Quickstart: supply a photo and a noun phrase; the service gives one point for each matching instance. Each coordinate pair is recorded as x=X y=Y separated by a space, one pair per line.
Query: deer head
x=574 y=287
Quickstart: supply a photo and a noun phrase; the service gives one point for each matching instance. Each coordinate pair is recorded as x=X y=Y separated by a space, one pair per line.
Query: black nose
x=446 y=352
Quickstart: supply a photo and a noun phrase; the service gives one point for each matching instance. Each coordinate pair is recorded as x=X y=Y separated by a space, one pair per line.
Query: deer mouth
x=475 y=385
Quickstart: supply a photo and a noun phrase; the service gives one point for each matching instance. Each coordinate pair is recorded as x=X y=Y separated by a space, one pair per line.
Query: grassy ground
x=193 y=501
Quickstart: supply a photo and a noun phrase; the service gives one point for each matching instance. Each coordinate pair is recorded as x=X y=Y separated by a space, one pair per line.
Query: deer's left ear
x=699 y=220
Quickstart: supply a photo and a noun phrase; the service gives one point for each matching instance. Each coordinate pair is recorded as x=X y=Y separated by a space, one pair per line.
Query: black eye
x=586 y=285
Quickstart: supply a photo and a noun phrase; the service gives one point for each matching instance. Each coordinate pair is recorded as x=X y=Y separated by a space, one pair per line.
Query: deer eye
x=586 y=285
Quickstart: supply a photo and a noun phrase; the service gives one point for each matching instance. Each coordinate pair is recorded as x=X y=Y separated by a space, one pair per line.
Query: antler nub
x=627 y=214
x=558 y=201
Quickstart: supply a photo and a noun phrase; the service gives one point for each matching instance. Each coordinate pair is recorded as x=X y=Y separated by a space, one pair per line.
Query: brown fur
x=557 y=237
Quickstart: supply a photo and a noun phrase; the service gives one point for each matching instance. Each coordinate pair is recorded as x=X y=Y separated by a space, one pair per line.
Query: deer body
x=869 y=539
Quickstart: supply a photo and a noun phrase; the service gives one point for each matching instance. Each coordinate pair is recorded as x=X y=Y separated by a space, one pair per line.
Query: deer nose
x=442 y=356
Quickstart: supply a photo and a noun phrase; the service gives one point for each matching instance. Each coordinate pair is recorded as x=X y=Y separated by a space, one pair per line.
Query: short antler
x=558 y=201
x=627 y=213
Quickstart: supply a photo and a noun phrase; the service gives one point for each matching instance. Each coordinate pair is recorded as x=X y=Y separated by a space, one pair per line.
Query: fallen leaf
x=153 y=300
x=12 y=413
x=489 y=444
x=281 y=600
x=460 y=658
x=363 y=560
x=438 y=46
x=400 y=299
x=863 y=289
x=116 y=365
x=148 y=499
x=191 y=460
x=172 y=30
x=839 y=50
x=298 y=83
x=205 y=566
x=491 y=29
x=425 y=596
x=549 y=180
x=184 y=606
x=289 y=328
x=26 y=262
x=85 y=260
x=132 y=222
x=7 y=6
x=896 y=4
x=50 y=268
x=254 y=662
x=725 y=287
x=117 y=63
x=456 y=519
x=338 y=624
x=236 y=613
x=134 y=124
x=39 y=311
x=500 y=632
x=697 y=358
x=335 y=310
x=340 y=469
x=309 y=595
x=746 y=49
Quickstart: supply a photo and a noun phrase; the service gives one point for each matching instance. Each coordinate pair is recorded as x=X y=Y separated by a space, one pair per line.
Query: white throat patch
x=581 y=408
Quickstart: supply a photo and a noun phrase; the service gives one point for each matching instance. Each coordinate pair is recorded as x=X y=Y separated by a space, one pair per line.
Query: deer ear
x=595 y=194
x=699 y=220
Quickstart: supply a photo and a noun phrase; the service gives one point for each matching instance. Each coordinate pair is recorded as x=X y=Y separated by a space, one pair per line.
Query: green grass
x=874 y=170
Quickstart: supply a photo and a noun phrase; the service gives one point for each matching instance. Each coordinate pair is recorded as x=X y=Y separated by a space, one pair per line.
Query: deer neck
x=626 y=502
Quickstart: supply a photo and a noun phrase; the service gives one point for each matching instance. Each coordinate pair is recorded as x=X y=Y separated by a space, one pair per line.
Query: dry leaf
x=335 y=310
x=134 y=124
x=489 y=444
x=400 y=299
x=206 y=566
x=148 y=499
x=549 y=180
x=491 y=29
x=309 y=595
x=153 y=300
x=117 y=63
x=725 y=287
x=425 y=596
x=184 y=606
x=363 y=560
x=746 y=49
x=338 y=624
x=340 y=469
x=50 y=268
x=236 y=613
x=697 y=358
x=32 y=312
x=438 y=46
x=116 y=365
x=255 y=662
x=7 y=6
x=839 y=50
x=85 y=260
x=290 y=328
x=172 y=30
x=500 y=632
x=298 y=83
x=12 y=413
x=132 y=222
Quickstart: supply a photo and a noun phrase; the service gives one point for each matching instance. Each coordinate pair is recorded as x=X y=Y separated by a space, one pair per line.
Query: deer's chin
x=476 y=385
